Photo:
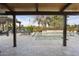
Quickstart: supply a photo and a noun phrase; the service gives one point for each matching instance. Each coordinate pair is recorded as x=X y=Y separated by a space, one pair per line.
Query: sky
x=29 y=19
x=73 y=20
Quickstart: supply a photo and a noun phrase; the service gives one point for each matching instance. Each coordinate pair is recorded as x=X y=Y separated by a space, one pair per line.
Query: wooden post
x=14 y=30
x=65 y=31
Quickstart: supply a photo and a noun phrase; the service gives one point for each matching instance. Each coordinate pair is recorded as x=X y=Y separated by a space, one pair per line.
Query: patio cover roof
x=45 y=7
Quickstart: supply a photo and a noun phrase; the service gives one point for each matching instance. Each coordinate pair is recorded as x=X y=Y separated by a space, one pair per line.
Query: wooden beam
x=7 y=6
x=36 y=7
x=39 y=13
x=42 y=13
x=65 y=7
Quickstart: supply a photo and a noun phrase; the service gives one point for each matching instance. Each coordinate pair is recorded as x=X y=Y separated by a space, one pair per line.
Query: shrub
x=37 y=29
x=29 y=28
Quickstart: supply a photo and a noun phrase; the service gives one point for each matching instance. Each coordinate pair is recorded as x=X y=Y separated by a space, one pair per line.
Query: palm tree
x=38 y=20
x=48 y=20
x=44 y=21
x=55 y=21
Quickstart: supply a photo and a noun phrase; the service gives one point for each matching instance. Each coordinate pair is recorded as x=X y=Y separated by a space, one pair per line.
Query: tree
x=56 y=22
x=53 y=21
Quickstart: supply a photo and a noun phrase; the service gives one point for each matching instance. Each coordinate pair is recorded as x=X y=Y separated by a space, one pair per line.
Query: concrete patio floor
x=39 y=45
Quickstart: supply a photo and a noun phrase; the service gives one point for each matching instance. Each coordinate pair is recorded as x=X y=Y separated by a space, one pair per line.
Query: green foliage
x=37 y=29
x=71 y=27
x=54 y=21
x=29 y=28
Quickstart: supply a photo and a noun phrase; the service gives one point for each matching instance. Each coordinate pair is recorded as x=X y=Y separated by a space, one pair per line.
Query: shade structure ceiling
x=56 y=7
